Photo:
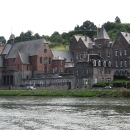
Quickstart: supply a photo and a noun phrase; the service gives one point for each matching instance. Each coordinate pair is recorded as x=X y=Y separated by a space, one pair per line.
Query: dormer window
x=104 y=63
x=99 y=63
x=94 y=62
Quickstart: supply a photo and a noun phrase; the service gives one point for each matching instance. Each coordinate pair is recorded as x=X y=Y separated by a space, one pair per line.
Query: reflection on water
x=40 y=113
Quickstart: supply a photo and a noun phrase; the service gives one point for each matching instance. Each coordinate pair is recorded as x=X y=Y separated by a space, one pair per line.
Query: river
x=44 y=113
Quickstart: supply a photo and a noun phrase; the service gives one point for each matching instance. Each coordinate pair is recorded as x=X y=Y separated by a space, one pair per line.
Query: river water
x=43 y=113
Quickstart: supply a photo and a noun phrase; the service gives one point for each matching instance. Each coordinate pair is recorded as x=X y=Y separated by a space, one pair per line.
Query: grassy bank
x=68 y=93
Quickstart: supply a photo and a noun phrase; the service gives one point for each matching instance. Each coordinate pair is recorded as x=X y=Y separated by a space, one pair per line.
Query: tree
x=88 y=28
x=2 y=39
x=117 y=20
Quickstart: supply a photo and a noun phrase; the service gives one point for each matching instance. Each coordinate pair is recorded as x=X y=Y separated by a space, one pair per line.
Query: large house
x=91 y=60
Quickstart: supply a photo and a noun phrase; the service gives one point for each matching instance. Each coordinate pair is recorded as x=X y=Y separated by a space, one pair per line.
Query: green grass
x=60 y=48
x=67 y=93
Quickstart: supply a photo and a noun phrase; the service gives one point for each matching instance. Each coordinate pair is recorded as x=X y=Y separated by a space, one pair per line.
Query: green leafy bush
x=100 y=84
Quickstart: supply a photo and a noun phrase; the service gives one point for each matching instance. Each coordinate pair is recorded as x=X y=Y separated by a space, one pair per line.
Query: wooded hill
x=87 y=28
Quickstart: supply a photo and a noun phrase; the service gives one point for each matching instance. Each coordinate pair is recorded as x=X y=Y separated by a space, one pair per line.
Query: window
x=45 y=50
x=49 y=60
x=99 y=53
x=121 y=63
x=55 y=62
x=99 y=63
x=116 y=63
x=102 y=71
x=27 y=67
x=80 y=55
x=108 y=53
x=61 y=62
x=76 y=56
x=125 y=52
x=108 y=71
x=61 y=70
x=77 y=71
x=84 y=55
x=120 y=52
x=86 y=71
x=45 y=60
x=99 y=45
x=102 y=79
x=125 y=63
x=40 y=60
x=109 y=80
x=83 y=71
x=116 y=52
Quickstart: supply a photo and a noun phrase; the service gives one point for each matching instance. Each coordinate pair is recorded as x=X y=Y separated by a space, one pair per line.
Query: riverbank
x=67 y=93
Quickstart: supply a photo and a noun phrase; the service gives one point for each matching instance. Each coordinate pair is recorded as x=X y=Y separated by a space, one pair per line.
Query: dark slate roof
x=63 y=54
x=6 y=49
x=102 y=34
x=30 y=47
x=25 y=58
x=1 y=62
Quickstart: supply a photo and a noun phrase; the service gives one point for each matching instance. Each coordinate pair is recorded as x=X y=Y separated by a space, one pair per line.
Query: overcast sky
x=46 y=16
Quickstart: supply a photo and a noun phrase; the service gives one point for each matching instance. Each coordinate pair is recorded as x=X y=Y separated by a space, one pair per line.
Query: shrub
x=100 y=84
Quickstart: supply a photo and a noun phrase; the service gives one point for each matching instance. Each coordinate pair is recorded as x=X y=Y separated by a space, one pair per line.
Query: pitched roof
x=77 y=37
x=126 y=36
x=64 y=55
x=86 y=40
x=30 y=47
x=102 y=34
x=25 y=58
x=6 y=49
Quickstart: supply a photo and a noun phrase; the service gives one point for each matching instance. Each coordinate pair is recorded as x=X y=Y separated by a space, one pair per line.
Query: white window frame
x=125 y=52
x=125 y=63
x=116 y=52
x=120 y=63
x=120 y=52
x=116 y=63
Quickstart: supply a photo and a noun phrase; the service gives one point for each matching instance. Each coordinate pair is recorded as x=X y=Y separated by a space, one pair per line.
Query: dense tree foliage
x=87 y=28
x=113 y=28
x=2 y=39
x=117 y=20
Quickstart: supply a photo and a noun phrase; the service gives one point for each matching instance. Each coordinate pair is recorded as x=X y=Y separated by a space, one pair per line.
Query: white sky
x=46 y=16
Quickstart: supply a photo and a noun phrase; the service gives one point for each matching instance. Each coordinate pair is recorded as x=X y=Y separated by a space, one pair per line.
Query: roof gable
x=25 y=59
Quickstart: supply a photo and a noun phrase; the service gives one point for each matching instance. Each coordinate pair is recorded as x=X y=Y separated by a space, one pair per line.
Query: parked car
x=30 y=88
x=108 y=87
